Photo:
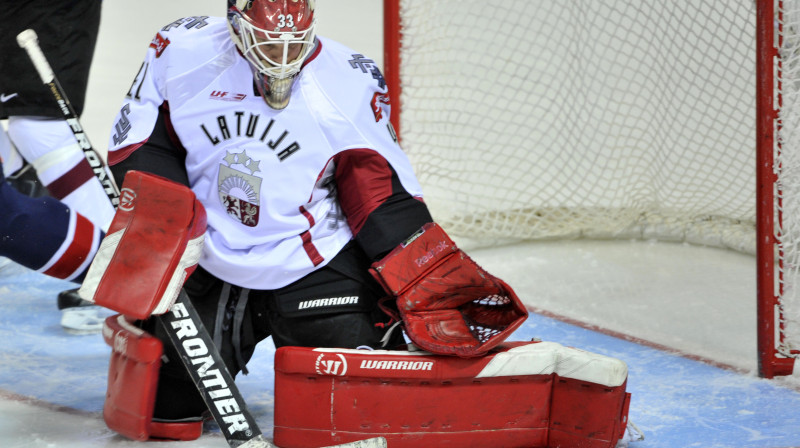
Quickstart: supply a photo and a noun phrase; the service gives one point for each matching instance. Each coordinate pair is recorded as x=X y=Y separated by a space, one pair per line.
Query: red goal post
x=533 y=119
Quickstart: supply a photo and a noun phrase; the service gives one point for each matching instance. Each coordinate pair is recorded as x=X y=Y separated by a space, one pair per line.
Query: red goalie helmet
x=275 y=36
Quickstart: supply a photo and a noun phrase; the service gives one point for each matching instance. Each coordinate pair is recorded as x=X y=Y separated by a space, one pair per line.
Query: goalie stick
x=215 y=383
x=225 y=404
x=29 y=41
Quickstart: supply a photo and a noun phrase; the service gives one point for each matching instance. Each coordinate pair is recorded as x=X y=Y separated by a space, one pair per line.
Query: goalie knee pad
x=132 y=377
x=132 y=384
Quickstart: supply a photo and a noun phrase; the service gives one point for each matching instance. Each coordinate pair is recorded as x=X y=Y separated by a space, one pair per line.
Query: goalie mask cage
x=650 y=119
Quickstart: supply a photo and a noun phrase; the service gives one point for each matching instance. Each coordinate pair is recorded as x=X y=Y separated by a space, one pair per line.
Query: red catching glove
x=449 y=304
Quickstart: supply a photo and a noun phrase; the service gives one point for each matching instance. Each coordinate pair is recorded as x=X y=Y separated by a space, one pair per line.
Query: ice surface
x=698 y=302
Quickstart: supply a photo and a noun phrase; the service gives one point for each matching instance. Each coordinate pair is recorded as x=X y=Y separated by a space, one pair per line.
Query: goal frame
x=768 y=101
x=768 y=250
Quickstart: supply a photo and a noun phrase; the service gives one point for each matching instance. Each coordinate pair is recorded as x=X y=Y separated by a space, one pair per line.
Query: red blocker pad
x=132 y=378
x=522 y=394
x=151 y=247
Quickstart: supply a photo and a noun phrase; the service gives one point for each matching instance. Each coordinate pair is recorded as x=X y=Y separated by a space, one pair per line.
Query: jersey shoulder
x=187 y=55
x=351 y=81
x=342 y=69
x=191 y=41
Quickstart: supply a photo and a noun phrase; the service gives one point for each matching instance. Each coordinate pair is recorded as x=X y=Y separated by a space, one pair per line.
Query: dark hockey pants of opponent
x=32 y=230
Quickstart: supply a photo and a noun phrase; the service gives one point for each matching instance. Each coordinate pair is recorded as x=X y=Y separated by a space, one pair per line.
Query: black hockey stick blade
x=208 y=372
x=215 y=383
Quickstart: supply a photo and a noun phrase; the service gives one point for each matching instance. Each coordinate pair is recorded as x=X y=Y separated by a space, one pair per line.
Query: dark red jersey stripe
x=71 y=180
x=308 y=246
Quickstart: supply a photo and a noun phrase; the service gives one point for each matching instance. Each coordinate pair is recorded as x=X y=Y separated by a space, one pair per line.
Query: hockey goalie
x=262 y=178
x=491 y=393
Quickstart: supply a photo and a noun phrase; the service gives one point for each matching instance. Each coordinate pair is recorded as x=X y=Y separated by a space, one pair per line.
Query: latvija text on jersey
x=277 y=140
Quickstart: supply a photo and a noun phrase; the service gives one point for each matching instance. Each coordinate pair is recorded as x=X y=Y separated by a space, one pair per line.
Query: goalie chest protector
x=522 y=394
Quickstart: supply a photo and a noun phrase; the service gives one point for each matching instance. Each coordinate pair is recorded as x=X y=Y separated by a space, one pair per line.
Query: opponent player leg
x=19 y=173
x=9 y=155
x=62 y=168
x=45 y=235
x=49 y=145
x=27 y=182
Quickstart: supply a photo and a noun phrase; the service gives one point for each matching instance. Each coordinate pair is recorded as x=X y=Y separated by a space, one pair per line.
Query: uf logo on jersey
x=226 y=96
x=239 y=191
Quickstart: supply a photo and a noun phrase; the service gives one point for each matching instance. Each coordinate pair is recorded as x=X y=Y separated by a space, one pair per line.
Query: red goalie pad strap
x=153 y=244
x=182 y=430
x=449 y=304
x=132 y=378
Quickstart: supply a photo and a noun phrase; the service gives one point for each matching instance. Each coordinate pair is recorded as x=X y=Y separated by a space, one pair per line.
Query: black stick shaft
x=29 y=41
x=204 y=364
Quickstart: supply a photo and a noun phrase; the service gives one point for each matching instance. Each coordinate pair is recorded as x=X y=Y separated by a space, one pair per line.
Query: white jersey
x=264 y=176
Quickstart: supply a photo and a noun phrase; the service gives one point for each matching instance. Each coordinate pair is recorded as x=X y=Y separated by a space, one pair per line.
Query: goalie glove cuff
x=408 y=262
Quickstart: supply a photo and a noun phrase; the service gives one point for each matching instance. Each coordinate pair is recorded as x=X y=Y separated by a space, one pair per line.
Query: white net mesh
x=601 y=118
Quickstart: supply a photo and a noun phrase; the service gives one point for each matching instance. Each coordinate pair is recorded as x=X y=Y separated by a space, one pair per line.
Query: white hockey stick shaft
x=29 y=41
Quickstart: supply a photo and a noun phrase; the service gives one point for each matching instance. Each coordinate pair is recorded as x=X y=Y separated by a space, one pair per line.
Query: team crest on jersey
x=159 y=43
x=378 y=103
x=239 y=187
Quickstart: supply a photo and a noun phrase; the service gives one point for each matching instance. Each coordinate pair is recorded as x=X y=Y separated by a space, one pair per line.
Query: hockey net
x=534 y=119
